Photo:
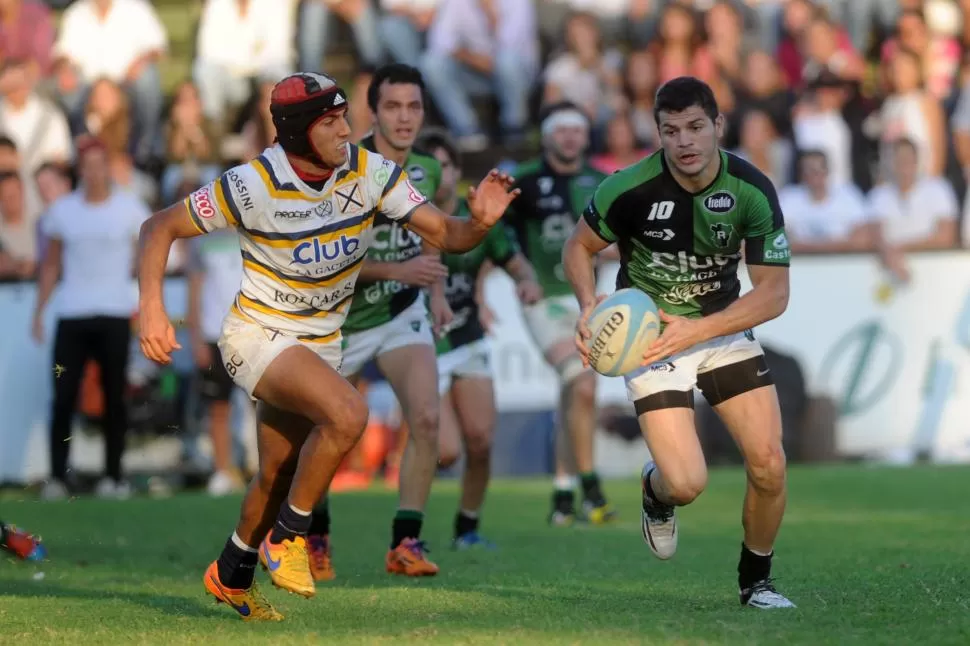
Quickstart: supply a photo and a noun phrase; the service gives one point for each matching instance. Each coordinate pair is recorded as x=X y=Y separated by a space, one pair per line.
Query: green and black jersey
x=376 y=303
x=683 y=248
x=499 y=247
x=545 y=214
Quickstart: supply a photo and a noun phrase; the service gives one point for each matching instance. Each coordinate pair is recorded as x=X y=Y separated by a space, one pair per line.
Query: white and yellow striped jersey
x=302 y=249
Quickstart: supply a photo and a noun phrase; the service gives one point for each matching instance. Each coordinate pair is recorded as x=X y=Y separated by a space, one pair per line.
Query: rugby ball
x=623 y=326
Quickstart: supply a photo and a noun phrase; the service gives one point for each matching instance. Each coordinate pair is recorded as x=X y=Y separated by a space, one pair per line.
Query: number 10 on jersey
x=661 y=210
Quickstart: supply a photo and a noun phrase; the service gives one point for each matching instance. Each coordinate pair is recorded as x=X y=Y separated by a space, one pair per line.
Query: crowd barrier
x=895 y=360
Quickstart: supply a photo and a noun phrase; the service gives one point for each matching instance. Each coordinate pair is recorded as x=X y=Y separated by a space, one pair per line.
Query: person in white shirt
x=822 y=217
x=482 y=48
x=915 y=213
x=403 y=25
x=36 y=125
x=214 y=273
x=121 y=40
x=240 y=42
x=91 y=236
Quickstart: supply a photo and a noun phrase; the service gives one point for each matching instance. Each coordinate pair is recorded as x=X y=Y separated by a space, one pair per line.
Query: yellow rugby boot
x=288 y=565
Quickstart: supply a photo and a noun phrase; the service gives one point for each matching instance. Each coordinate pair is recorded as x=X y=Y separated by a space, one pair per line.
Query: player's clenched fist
x=156 y=334
x=489 y=200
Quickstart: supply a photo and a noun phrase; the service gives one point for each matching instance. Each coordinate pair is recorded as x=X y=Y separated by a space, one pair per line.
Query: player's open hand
x=679 y=334
x=156 y=334
x=490 y=199
x=441 y=316
x=583 y=332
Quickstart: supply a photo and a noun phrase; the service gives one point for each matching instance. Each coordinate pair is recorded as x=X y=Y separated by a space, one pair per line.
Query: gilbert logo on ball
x=623 y=326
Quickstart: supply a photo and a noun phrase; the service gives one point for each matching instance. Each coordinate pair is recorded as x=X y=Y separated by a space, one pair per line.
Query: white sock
x=757 y=553
x=300 y=511
x=468 y=514
x=566 y=483
x=238 y=542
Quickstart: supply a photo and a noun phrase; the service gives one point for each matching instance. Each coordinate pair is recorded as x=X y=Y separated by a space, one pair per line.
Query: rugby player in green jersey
x=389 y=322
x=464 y=366
x=682 y=219
x=555 y=189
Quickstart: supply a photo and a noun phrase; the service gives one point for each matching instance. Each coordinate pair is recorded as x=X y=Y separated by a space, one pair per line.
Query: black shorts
x=215 y=384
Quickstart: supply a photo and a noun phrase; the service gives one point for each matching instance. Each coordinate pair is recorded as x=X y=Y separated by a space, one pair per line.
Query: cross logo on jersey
x=350 y=196
x=721 y=233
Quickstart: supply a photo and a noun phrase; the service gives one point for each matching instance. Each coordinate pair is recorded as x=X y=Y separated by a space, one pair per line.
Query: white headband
x=564 y=118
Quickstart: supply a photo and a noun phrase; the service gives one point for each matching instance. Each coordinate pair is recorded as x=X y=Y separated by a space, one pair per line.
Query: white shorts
x=248 y=348
x=680 y=372
x=552 y=320
x=410 y=327
x=470 y=360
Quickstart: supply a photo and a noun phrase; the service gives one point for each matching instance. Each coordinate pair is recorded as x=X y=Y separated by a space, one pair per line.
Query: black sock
x=591 y=486
x=407 y=524
x=564 y=501
x=289 y=525
x=320 y=519
x=237 y=567
x=3 y=534
x=648 y=485
x=465 y=524
x=752 y=568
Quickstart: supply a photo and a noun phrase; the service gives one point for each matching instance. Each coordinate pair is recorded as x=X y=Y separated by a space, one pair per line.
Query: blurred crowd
x=857 y=109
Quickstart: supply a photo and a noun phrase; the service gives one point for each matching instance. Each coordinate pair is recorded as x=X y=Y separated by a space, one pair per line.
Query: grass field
x=871 y=556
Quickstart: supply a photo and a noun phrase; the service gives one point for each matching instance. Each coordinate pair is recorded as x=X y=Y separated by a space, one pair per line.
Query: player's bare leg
x=473 y=405
x=575 y=439
x=297 y=380
x=412 y=372
x=677 y=473
x=754 y=421
x=280 y=436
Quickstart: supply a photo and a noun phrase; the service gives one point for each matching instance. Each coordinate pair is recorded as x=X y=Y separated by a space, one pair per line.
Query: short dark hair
x=393 y=73
x=805 y=153
x=683 y=92
x=435 y=138
x=7 y=142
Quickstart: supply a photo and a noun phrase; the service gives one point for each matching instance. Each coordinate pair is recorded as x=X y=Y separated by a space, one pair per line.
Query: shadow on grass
x=195 y=607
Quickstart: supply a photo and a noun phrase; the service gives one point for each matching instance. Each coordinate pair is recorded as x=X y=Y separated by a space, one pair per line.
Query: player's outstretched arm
x=578 y=258
x=155 y=240
x=487 y=203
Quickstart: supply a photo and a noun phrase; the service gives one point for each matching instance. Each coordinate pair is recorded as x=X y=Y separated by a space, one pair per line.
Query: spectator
x=761 y=88
x=482 y=48
x=912 y=112
x=18 y=234
x=915 y=212
x=403 y=25
x=240 y=42
x=821 y=217
x=215 y=271
x=622 y=147
x=258 y=131
x=938 y=55
x=859 y=17
x=53 y=181
x=724 y=24
x=121 y=40
x=824 y=49
x=831 y=45
x=680 y=48
x=27 y=34
x=586 y=73
x=314 y=32
x=761 y=145
x=640 y=82
x=107 y=117
x=818 y=124
x=36 y=125
x=191 y=140
x=91 y=236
